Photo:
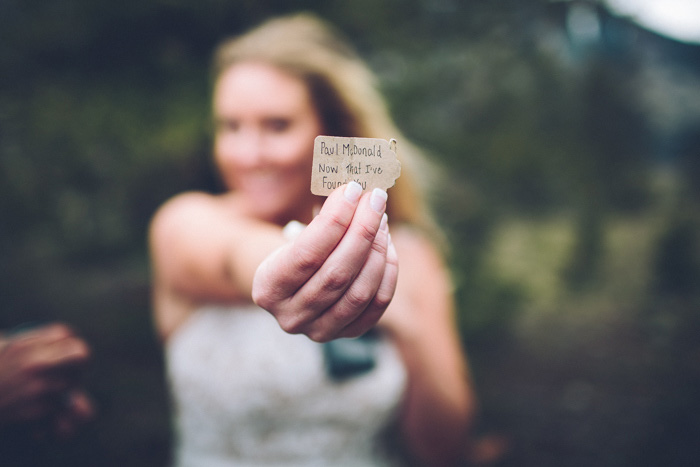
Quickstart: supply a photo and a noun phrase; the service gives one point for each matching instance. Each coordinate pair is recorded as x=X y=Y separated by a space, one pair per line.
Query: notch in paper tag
x=371 y=162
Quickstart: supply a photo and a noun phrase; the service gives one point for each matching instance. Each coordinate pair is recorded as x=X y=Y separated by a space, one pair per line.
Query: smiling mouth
x=260 y=181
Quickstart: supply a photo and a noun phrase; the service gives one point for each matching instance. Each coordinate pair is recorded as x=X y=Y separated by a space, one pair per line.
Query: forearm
x=249 y=246
x=334 y=280
x=202 y=252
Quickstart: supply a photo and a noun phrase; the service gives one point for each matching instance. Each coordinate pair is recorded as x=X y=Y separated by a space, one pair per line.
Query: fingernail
x=353 y=192
x=378 y=200
x=384 y=223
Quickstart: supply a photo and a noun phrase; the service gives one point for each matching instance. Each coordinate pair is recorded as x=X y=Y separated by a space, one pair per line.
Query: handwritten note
x=371 y=162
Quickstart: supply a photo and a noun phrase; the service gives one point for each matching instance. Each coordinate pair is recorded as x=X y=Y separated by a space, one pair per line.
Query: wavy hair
x=344 y=92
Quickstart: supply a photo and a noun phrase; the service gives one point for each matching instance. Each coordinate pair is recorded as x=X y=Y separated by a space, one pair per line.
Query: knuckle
x=266 y=297
x=380 y=246
x=307 y=301
x=358 y=297
x=346 y=314
x=306 y=260
x=368 y=233
x=382 y=299
x=337 y=278
x=264 y=294
x=261 y=298
x=333 y=222
x=291 y=324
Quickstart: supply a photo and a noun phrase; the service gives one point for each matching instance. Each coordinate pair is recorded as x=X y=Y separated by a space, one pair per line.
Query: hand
x=76 y=409
x=339 y=275
x=38 y=377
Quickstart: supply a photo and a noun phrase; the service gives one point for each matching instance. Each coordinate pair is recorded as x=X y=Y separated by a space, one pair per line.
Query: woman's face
x=265 y=129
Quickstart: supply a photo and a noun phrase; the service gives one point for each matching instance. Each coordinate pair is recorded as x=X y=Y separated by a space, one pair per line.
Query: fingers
x=281 y=275
x=339 y=272
x=78 y=409
x=343 y=265
x=61 y=413
x=81 y=405
x=381 y=300
x=53 y=347
x=360 y=294
x=338 y=275
x=41 y=363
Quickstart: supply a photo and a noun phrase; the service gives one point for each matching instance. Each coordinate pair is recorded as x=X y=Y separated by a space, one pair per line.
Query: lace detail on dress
x=247 y=393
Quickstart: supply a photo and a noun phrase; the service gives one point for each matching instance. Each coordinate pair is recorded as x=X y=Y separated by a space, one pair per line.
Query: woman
x=243 y=304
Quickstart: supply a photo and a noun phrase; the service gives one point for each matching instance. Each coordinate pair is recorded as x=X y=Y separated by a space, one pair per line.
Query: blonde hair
x=344 y=92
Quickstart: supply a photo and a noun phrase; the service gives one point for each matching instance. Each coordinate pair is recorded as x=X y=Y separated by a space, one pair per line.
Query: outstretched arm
x=334 y=280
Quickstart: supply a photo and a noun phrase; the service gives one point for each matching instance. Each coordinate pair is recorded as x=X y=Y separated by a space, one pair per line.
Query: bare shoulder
x=186 y=258
x=423 y=273
x=416 y=249
x=184 y=211
x=185 y=205
x=184 y=238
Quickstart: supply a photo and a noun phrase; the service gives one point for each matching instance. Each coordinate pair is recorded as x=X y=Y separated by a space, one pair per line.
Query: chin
x=269 y=213
x=277 y=206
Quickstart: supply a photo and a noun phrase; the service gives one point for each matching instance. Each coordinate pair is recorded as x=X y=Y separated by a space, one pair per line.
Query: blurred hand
x=39 y=371
x=339 y=275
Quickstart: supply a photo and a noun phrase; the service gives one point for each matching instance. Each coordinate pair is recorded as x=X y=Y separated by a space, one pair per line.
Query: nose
x=249 y=146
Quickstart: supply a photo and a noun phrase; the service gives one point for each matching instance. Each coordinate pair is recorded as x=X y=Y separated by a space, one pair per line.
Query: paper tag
x=371 y=162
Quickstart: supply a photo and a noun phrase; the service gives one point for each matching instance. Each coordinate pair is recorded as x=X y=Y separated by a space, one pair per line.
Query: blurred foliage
x=576 y=261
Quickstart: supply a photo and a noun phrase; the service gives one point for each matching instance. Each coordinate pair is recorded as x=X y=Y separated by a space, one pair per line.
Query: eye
x=277 y=125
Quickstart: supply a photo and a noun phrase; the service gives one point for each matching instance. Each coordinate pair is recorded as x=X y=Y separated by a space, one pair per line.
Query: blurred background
x=570 y=134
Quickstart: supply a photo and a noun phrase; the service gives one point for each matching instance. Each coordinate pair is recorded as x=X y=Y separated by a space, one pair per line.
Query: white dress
x=245 y=393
